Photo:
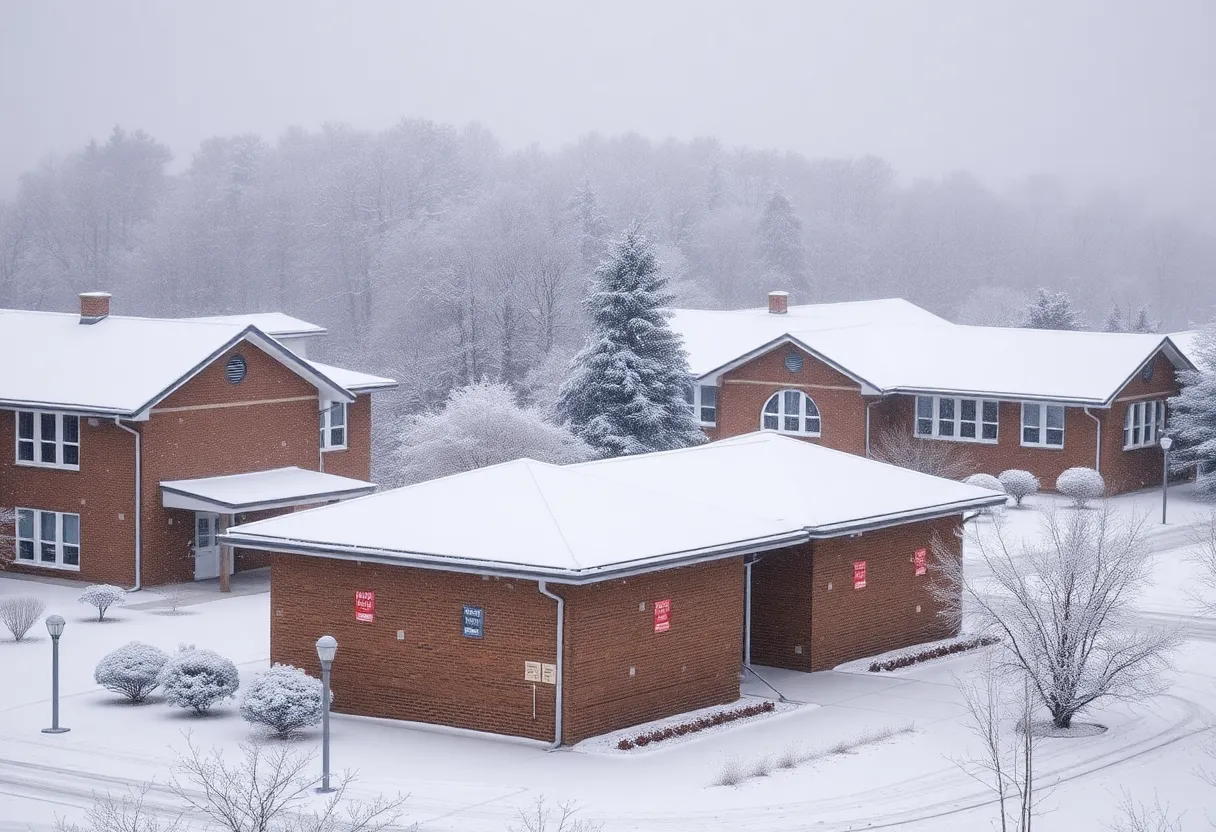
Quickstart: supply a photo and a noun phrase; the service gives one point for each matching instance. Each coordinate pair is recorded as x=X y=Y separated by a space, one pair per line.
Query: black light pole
x=327 y=648
x=1166 y=443
x=54 y=626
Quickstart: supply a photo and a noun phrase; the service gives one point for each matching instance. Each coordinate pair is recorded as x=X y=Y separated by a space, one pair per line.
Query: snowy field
x=470 y=783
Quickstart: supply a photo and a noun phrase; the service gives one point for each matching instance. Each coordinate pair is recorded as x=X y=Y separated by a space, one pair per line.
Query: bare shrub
x=19 y=613
x=1019 y=484
x=127 y=813
x=1136 y=817
x=790 y=757
x=266 y=790
x=102 y=596
x=730 y=772
x=762 y=767
x=942 y=459
x=1063 y=608
x=542 y=819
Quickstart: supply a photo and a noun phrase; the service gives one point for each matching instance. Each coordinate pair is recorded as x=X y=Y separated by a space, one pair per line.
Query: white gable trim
x=868 y=389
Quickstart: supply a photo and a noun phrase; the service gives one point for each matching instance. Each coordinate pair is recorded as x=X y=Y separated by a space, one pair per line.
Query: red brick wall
x=695 y=664
x=355 y=460
x=102 y=492
x=792 y=606
x=1141 y=467
x=436 y=675
x=744 y=390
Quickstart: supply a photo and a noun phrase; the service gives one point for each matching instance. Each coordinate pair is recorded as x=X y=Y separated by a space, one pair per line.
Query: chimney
x=94 y=307
x=778 y=303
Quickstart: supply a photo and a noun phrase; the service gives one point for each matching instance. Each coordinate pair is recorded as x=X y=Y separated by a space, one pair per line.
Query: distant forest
x=434 y=256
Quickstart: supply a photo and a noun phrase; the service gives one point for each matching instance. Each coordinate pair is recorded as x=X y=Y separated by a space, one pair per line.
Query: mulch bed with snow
x=919 y=654
x=673 y=730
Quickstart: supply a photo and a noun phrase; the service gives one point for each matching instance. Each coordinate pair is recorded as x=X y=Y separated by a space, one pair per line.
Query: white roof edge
x=785 y=338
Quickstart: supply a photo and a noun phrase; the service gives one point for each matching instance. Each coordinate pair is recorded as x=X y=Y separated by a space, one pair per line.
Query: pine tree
x=1143 y=322
x=592 y=227
x=1193 y=417
x=1052 y=310
x=1114 y=321
x=626 y=392
x=781 y=240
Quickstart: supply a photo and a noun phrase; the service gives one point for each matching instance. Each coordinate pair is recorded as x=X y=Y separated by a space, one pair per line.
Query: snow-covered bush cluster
x=1019 y=484
x=985 y=481
x=1081 y=485
x=102 y=596
x=19 y=613
x=197 y=679
x=132 y=670
x=284 y=699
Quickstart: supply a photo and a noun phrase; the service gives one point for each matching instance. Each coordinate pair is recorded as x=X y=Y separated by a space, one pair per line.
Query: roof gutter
x=543 y=587
x=898 y=519
x=139 y=547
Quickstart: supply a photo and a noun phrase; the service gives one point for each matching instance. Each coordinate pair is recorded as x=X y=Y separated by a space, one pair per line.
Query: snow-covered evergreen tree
x=481 y=425
x=781 y=241
x=284 y=699
x=1193 y=417
x=626 y=392
x=1143 y=322
x=1052 y=310
x=1114 y=321
x=592 y=227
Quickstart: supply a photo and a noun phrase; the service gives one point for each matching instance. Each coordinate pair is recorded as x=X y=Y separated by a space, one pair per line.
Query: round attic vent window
x=793 y=362
x=1147 y=372
x=235 y=371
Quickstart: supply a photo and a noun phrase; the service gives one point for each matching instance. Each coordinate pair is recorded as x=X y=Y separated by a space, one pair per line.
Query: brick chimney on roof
x=778 y=303
x=94 y=307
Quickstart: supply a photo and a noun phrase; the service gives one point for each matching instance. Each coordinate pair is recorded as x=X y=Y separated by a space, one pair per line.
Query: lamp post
x=327 y=647
x=1166 y=444
x=54 y=626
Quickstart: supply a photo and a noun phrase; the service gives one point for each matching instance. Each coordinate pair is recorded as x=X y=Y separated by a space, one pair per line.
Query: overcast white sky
x=1102 y=92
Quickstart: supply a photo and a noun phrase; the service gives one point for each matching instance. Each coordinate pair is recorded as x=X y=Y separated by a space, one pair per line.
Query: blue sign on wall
x=474 y=622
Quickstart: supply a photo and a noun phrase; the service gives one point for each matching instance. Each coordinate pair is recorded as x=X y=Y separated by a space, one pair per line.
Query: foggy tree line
x=435 y=256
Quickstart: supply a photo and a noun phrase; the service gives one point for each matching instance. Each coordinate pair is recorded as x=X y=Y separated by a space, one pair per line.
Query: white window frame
x=956 y=421
x=58 y=442
x=37 y=541
x=1042 y=425
x=695 y=397
x=1143 y=424
x=328 y=427
x=782 y=413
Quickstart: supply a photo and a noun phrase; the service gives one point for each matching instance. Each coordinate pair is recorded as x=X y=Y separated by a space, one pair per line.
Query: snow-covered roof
x=354 y=380
x=1188 y=344
x=259 y=490
x=895 y=346
x=274 y=324
x=121 y=365
x=714 y=338
x=587 y=522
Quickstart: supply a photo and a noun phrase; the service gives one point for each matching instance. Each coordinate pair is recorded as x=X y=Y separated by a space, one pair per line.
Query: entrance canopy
x=260 y=490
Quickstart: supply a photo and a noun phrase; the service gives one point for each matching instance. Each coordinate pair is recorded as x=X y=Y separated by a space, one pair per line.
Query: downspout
x=868 y=406
x=747 y=616
x=139 y=550
x=543 y=586
x=1098 y=444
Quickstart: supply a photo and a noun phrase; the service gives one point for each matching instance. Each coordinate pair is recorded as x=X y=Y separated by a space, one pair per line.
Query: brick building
x=135 y=441
x=558 y=603
x=851 y=375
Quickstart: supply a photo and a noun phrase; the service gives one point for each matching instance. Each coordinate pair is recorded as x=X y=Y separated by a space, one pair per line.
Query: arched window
x=791 y=411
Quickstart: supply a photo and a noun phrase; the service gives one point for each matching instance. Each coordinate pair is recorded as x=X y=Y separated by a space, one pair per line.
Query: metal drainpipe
x=1098 y=444
x=139 y=550
x=868 y=406
x=543 y=586
x=747 y=616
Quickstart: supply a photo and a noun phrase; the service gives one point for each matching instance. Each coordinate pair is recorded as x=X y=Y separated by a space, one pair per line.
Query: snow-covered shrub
x=102 y=596
x=131 y=670
x=1019 y=484
x=1081 y=485
x=197 y=679
x=985 y=481
x=20 y=612
x=283 y=699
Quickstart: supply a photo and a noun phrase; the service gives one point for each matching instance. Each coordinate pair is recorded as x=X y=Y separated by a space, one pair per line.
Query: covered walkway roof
x=260 y=490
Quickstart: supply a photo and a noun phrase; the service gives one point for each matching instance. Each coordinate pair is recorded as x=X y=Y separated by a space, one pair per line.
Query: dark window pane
x=968 y=409
x=47 y=524
x=48 y=427
x=989 y=431
x=48 y=452
x=812 y=409
x=71 y=529
x=25 y=524
x=25 y=451
x=1030 y=436
x=71 y=454
x=1136 y=434
x=71 y=555
x=924 y=427
x=709 y=395
x=25 y=424
x=25 y=550
x=770 y=422
x=71 y=428
x=709 y=414
x=1055 y=437
x=967 y=430
x=945 y=428
x=812 y=425
x=791 y=423
x=945 y=409
x=924 y=407
x=338 y=437
x=792 y=402
x=990 y=411
x=771 y=406
x=48 y=553
x=1055 y=417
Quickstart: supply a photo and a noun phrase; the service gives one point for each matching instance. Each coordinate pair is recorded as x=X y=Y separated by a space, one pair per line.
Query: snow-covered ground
x=471 y=782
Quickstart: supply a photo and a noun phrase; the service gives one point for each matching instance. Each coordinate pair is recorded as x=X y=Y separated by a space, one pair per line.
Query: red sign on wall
x=662 y=615
x=919 y=560
x=365 y=605
x=859 y=574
